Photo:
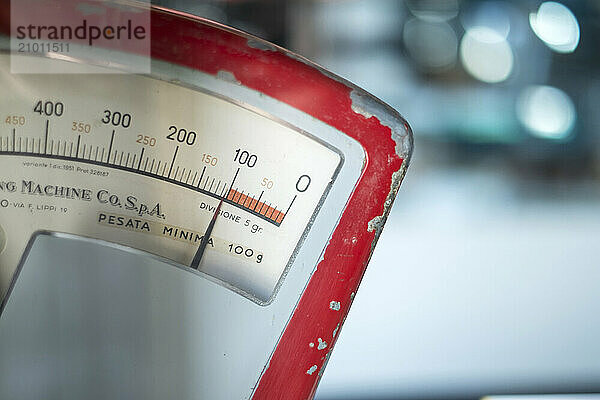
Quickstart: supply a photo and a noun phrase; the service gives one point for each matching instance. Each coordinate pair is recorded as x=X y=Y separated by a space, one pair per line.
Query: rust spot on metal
x=322 y=344
x=259 y=44
x=368 y=107
x=227 y=77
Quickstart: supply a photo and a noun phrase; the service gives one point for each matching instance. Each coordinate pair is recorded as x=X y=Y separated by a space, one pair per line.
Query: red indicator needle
x=204 y=242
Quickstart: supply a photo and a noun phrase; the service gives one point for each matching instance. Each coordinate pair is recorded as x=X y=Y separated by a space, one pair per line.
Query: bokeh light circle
x=546 y=111
x=556 y=26
x=486 y=54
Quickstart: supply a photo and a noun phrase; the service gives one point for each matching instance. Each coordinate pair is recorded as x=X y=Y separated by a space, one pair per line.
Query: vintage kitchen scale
x=188 y=223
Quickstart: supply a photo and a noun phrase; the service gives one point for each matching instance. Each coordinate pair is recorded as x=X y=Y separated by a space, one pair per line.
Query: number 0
x=303 y=183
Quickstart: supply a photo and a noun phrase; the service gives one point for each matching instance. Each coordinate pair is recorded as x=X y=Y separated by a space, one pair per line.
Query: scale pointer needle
x=204 y=242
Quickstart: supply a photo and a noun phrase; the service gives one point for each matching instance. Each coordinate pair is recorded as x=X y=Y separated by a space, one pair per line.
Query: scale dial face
x=144 y=163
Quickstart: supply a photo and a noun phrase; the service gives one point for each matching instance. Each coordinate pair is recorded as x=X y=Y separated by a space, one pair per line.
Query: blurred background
x=486 y=279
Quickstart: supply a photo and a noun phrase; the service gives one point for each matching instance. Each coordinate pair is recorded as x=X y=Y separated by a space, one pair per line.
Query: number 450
x=15 y=120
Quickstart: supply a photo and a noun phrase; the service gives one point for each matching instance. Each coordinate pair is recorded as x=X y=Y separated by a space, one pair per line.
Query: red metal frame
x=210 y=48
x=295 y=368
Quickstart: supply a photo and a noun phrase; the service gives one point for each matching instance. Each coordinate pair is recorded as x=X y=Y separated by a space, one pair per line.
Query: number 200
x=182 y=135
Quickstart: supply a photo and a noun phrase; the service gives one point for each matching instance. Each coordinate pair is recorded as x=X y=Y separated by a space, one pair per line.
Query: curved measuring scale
x=108 y=183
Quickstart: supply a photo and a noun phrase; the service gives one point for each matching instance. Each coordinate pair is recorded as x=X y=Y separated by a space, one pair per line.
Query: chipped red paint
x=211 y=48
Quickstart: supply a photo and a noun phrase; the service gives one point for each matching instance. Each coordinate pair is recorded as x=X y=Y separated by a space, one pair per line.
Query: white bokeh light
x=547 y=112
x=556 y=26
x=486 y=54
